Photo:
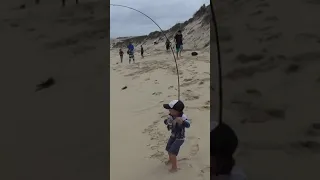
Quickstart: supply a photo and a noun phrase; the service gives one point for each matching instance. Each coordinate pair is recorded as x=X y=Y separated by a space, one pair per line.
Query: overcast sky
x=126 y=22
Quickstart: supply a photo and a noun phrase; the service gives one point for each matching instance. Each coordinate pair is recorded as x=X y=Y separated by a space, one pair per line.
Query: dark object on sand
x=46 y=84
x=124 y=88
x=194 y=54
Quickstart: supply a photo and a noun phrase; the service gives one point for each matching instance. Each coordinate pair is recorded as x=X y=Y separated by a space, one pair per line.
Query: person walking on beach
x=223 y=144
x=176 y=123
x=121 y=54
x=179 y=45
x=142 y=51
x=131 y=52
x=168 y=44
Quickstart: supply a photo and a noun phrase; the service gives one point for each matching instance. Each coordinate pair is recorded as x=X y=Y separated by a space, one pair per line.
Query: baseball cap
x=223 y=141
x=175 y=104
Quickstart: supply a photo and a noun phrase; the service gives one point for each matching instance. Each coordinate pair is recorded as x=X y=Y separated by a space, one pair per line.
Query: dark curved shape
x=219 y=62
x=164 y=34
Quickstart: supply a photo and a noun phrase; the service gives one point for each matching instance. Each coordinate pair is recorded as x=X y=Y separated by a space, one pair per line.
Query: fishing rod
x=220 y=88
x=164 y=34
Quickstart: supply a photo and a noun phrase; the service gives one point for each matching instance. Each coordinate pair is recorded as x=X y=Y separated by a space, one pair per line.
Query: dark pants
x=131 y=56
x=173 y=145
x=178 y=47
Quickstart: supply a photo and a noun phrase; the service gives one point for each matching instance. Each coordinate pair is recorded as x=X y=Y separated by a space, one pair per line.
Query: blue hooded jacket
x=130 y=47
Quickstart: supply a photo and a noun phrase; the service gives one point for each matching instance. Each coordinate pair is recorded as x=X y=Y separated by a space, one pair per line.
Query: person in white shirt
x=223 y=144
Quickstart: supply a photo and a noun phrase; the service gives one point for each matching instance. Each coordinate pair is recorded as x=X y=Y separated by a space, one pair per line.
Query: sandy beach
x=137 y=116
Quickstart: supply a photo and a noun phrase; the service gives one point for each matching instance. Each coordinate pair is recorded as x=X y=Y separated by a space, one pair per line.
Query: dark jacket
x=177 y=130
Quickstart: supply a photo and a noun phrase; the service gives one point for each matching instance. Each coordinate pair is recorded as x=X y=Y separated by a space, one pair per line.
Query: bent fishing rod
x=220 y=88
x=164 y=34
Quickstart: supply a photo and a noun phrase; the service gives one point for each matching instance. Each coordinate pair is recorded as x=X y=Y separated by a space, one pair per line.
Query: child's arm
x=168 y=122
x=184 y=122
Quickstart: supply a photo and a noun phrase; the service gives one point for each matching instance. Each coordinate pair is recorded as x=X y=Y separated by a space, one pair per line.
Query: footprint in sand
x=157 y=93
x=204 y=171
x=162 y=114
x=193 y=73
x=159 y=155
x=187 y=80
x=135 y=77
x=202 y=81
x=159 y=138
x=190 y=95
x=194 y=145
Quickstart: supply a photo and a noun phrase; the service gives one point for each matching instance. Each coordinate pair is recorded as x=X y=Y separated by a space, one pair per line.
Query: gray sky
x=126 y=22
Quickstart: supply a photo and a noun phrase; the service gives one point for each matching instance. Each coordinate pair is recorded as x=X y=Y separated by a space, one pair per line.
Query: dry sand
x=137 y=115
x=271 y=64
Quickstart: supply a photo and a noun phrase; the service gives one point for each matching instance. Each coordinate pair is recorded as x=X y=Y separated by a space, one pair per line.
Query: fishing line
x=164 y=34
x=219 y=62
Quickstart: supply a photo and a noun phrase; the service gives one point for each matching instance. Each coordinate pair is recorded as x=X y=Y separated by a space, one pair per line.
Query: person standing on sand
x=131 y=52
x=142 y=51
x=223 y=144
x=121 y=54
x=176 y=122
x=168 y=44
x=179 y=45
